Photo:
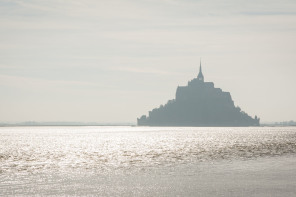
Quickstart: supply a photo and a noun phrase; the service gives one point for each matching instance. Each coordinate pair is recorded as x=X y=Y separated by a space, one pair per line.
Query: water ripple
x=43 y=149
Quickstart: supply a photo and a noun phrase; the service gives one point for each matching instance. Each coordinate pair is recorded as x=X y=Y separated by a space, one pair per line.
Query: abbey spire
x=200 y=76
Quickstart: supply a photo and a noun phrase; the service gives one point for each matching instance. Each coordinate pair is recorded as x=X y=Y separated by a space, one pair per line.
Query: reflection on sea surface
x=55 y=154
x=38 y=149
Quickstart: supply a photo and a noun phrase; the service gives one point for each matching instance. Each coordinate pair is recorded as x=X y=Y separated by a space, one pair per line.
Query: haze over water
x=147 y=161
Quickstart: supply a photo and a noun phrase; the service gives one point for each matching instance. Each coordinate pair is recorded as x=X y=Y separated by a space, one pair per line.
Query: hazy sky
x=113 y=61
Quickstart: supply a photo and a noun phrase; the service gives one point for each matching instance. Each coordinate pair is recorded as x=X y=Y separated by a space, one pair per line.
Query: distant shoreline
x=62 y=124
x=106 y=125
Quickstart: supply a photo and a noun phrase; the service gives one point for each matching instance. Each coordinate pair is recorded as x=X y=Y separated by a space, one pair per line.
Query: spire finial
x=200 y=76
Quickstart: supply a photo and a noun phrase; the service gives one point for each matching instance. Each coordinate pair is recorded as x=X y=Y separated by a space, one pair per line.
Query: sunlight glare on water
x=47 y=152
x=35 y=149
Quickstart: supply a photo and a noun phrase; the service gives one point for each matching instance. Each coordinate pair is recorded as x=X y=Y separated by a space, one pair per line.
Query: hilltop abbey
x=199 y=104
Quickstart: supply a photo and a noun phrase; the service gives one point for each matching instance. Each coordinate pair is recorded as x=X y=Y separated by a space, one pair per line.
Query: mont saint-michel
x=199 y=104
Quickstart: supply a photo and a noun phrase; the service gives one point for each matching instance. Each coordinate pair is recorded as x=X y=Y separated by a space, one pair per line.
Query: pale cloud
x=31 y=83
x=144 y=70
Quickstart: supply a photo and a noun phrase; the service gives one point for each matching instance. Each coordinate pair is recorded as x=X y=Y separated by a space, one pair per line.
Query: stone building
x=199 y=104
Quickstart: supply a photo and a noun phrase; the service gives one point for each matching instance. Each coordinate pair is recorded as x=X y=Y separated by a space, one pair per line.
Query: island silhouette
x=199 y=104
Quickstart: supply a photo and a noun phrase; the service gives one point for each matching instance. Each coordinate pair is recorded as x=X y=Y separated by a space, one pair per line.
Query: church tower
x=200 y=76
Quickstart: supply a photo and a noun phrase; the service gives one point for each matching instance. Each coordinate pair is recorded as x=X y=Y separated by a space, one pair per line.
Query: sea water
x=147 y=161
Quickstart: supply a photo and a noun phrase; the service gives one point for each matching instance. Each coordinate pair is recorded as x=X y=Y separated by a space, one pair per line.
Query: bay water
x=147 y=161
